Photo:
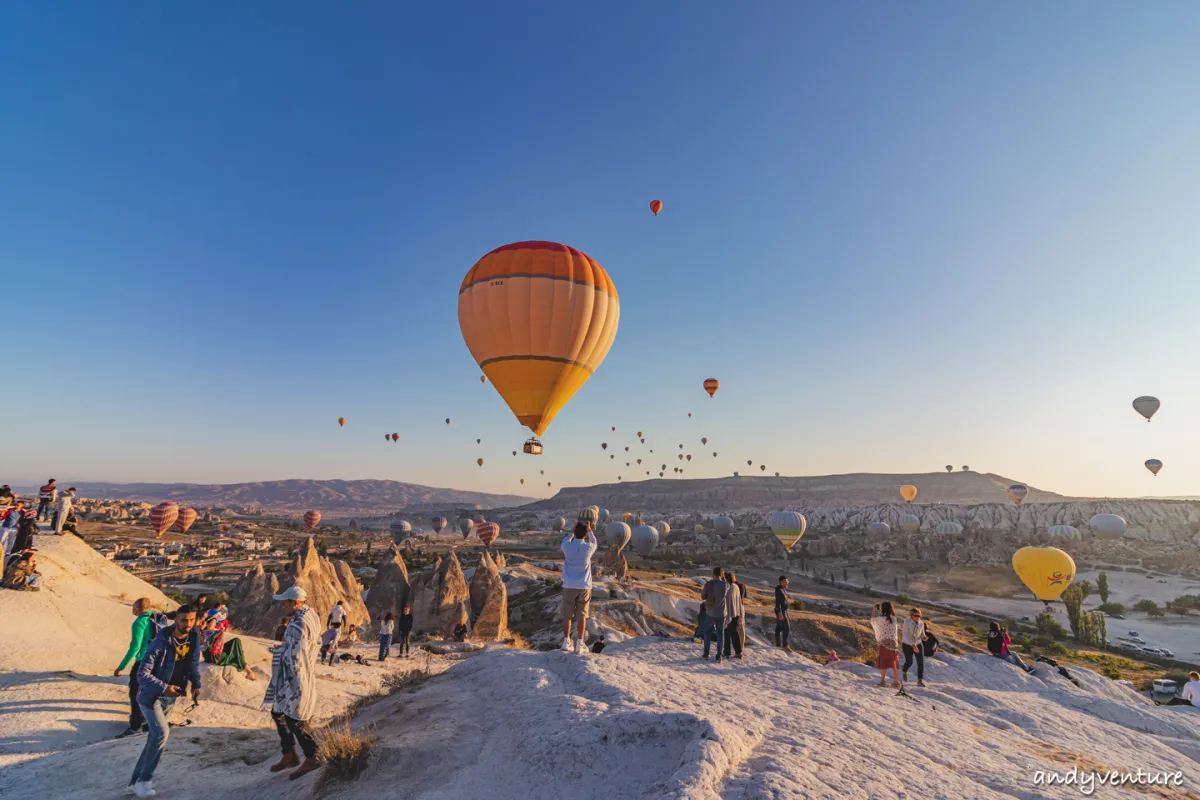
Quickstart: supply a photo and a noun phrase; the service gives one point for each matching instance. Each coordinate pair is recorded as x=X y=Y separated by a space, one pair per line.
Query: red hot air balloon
x=711 y=385
x=488 y=531
x=312 y=519
x=185 y=520
x=163 y=516
x=656 y=206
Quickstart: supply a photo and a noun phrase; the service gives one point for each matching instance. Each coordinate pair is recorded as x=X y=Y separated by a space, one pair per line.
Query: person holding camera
x=998 y=642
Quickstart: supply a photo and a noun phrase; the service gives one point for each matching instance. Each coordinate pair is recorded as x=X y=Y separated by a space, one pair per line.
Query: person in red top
x=998 y=643
x=47 y=496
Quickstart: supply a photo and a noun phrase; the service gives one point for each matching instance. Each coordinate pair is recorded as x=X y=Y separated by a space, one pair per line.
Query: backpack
x=158 y=621
x=930 y=644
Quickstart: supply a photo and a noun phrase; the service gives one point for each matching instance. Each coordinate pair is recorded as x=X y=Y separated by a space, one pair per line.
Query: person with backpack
x=47 y=496
x=912 y=640
x=404 y=626
x=146 y=624
x=998 y=642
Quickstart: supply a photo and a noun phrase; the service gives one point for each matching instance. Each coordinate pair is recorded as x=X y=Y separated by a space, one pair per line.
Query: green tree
x=1145 y=606
x=1048 y=626
x=1073 y=599
x=1085 y=587
x=1102 y=586
x=1155 y=612
x=322 y=549
x=1097 y=630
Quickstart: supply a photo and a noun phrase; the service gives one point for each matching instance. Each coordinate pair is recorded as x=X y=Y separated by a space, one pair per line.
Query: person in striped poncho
x=292 y=692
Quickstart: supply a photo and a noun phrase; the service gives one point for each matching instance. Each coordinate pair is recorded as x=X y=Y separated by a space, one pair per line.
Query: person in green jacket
x=141 y=634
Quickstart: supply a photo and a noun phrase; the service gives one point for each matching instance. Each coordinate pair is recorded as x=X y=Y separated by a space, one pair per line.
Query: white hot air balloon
x=949 y=528
x=617 y=534
x=879 y=528
x=1146 y=405
x=910 y=523
x=663 y=528
x=723 y=526
x=1108 y=526
x=645 y=539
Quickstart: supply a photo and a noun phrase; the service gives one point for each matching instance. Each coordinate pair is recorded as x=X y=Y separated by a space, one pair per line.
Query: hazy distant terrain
x=331 y=496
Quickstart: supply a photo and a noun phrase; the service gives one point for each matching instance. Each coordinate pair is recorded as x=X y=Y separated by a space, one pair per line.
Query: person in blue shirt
x=171 y=663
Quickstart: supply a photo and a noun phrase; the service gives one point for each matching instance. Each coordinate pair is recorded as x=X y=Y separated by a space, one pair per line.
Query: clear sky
x=900 y=235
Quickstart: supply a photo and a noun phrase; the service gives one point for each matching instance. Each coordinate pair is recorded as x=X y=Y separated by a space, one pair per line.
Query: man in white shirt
x=337 y=615
x=577 y=548
x=1191 y=690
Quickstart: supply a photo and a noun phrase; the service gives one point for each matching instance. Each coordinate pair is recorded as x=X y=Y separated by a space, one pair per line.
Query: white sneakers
x=580 y=647
x=567 y=644
x=144 y=789
x=577 y=645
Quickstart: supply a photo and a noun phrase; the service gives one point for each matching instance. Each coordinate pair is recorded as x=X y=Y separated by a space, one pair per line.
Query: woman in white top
x=887 y=636
x=386 y=629
x=912 y=639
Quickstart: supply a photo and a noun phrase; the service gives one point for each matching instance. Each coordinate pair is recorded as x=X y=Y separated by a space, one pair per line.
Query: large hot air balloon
x=645 y=539
x=1046 y=571
x=1154 y=465
x=908 y=492
x=401 y=530
x=465 y=526
x=909 y=523
x=438 y=524
x=590 y=514
x=539 y=318
x=879 y=528
x=185 y=520
x=710 y=385
x=558 y=525
x=788 y=527
x=1017 y=492
x=487 y=532
x=602 y=516
x=1146 y=405
x=1063 y=532
x=1108 y=526
x=341 y=422
x=163 y=516
x=723 y=526
x=312 y=519
x=663 y=528
x=949 y=528
x=656 y=206
x=617 y=534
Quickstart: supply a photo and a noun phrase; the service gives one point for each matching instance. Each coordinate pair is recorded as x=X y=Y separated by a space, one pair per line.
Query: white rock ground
x=649 y=719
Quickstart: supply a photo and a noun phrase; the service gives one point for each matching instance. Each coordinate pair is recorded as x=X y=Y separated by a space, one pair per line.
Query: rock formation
x=615 y=564
x=390 y=590
x=489 y=602
x=252 y=599
x=440 y=598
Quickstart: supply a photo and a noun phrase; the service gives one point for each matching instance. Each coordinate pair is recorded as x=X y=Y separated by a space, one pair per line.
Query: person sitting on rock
x=998 y=642
x=21 y=573
x=349 y=637
x=598 y=645
x=461 y=631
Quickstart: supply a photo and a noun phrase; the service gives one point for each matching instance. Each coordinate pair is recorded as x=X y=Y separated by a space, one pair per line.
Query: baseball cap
x=293 y=593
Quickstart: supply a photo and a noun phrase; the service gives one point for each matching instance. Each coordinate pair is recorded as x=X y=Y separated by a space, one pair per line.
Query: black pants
x=734 y=634
x=909 y=652
x=43 y=508
x=136 y=720
x=782 y=628
x=292 y=731
x=402 y=642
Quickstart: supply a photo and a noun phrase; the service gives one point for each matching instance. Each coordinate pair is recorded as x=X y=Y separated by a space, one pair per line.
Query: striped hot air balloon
x=710 y=385
x=1017 y=492
x=539 y=318
x=558 y=525
x=656 y=206
x=949 y=528
x=185 y=520
x=1063 y=532
x=312 y=519
x=1154 y=465
x=438 y=524
x=487 y=532
x=401 y=530
x=465 y=526
x=788 y=527
x=163 y=516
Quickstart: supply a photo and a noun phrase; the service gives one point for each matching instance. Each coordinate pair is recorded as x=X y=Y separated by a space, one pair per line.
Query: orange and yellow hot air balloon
x=312 y=519
x=656 y=206
x=908 y=492
x=163 y=516
x=341 y=422
x=711 y=385
x=185 y=520
x=539 y=318
x=487 y=532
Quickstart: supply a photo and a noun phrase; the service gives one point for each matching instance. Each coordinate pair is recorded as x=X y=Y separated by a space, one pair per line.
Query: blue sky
x=900 y=236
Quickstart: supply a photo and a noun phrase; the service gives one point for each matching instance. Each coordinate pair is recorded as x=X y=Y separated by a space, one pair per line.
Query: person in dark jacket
x=461 y=632
x=26 y=528
x=171 y=663
x=783 y=625
x=598 y=645
x=404 y=625
x=998 y=642
x=713 y=594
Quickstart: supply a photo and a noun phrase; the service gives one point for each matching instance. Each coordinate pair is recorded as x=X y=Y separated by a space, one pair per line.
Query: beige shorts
x=575 y=604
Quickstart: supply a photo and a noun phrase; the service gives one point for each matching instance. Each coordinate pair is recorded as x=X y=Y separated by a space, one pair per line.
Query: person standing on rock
x=386 y=629
x=292 y=692
x=783 y=626
x=171 y=662
x=47 y=496
x=887 y=635
x=66 y=502
x=578 y=548
x=912 y=640
x=735 y=628
x=139 y=639
x=713 y=594
x=337 y=615
x=404 y=626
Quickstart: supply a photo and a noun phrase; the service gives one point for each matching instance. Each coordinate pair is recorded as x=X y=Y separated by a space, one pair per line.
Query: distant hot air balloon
x=1063 y=532
x=663 y=528
x=949 y=468
x=312 y=519
x=723 y=526
x=639 y=434
x=479 y=441
x=1154 y=465
x=626 y=449
x=395 y=437
x=949 y=528
x=643 y=442
x=908 y=492
x=1045 y=571
x=487 y=532
x=387 y=437
x=465 y=526
x=736 y=475
x=710 y=385
x=543 y=472
x=341 y=422
x=749 y=463
x=522 y=481
x=602 y=516
x=680 y=456
x=539 y=318
x=776 y=474
x=514 y=452
x=909 y=523
x=703 y=440
x=447 y=420
x=614 y=427
x=1017 y=492
x=1108 y=526
x=966 y=468
x=558 y=525
x=163 y=516
x=1146 y=405
x=479 y=461
x=879 y=528
x=688 y=456
x=617 y=534
x=639 y=461
x=438 y=524
x=547 y=483
x=185 y=520
x=482 y=378
x=714 y=454
x=788 y=527
x=762 y=467
x=690 y=413
x=604 y=445
x=656 y=206
x=401 y=530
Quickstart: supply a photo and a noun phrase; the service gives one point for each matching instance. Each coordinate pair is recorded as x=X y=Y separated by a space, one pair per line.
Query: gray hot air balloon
x=465 y=526
x=645 y=539
x=910 y=523
x=949 y=528
x=558 y=525
x=1146 y=406
x=879 y=528
x=723 y=526
x=617 y=534
x=663 y=528
x=401 y=530
x=1108 y=526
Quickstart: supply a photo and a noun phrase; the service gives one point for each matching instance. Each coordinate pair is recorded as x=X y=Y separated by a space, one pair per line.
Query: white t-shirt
x=338 y=613
x=1191 y=691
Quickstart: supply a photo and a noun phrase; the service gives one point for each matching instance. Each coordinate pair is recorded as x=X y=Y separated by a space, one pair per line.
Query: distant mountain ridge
x=328 y=496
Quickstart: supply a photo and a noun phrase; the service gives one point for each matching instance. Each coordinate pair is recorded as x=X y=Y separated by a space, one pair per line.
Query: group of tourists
x=19 y=524
x=911 y=637
x=722 y=618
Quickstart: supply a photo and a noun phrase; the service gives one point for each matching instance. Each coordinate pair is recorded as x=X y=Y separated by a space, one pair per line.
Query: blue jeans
x=714 y=628
x=156 y=740
x=385 y=645
x=1013 y=658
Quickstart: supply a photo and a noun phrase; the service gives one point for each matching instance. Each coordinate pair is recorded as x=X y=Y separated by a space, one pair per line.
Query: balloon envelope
x=663 y=528
x=185 y=520
x=908 y=492
x=723 y=526
x=1017 y=492
x=949 y=528
x=558 y=525
x=656 y=206
x=1146 y=405
x=487 y=532
x=1154 y=465
x=909 y=523
x=341 y=421
x=590 y=514
x=1108 y=526
x=465 y=526
x=401 y=530
x=163 y=516
x=710 y=385
x=879 y=528
x=312 y=518
x=1045 y=571
x=1063 y=532
x=617 y=534
x=438 y=524
x=539 y=318
x=788 y=527
x=645 y=539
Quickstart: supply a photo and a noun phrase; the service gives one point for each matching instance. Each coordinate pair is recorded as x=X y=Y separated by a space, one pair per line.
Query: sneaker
x=567 y=644
x=580 y=647
x=122 y=735
x=921 y=684
x=718 y=659
x=144 y=789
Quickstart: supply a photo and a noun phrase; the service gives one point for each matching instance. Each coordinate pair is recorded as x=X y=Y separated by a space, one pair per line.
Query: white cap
x=293 y=593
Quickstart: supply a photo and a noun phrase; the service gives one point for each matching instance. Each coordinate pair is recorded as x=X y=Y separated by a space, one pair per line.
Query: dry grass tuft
x=517 y=641
x=343 y=751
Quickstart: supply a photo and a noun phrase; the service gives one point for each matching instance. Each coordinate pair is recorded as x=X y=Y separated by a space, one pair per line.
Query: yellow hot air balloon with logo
x=1046 y=571
x=908 y=492
x=539 y=318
